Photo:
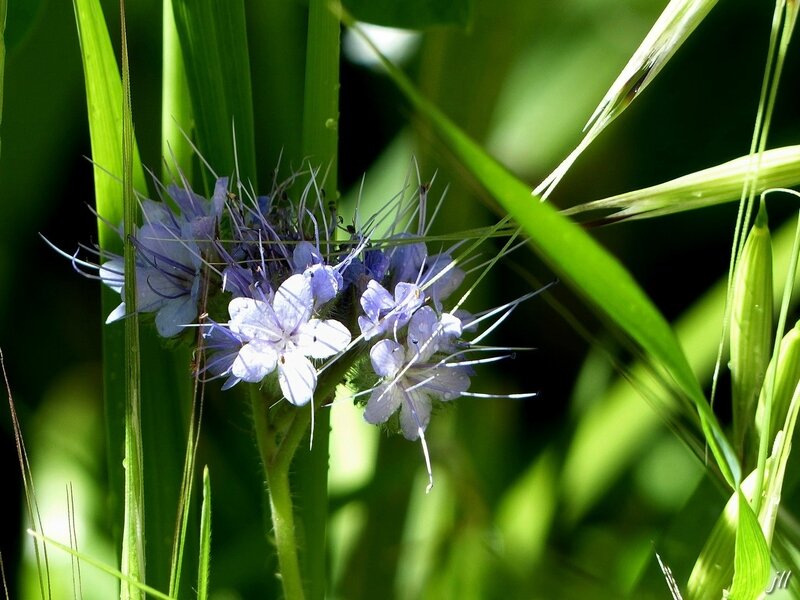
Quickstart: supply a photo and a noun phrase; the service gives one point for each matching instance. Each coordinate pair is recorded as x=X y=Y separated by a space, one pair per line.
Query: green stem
x=276 y=464
x=320 y=142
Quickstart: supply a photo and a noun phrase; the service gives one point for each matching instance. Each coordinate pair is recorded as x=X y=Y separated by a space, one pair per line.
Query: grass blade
x=130 y=581
x=104 y=104
x=213 y=37
x=779 y=168
x=205 y=539
x=751 y=557
x=133 y=558
x=320 y=144
x=673 y=27
x=176 y=105
x=587 y=267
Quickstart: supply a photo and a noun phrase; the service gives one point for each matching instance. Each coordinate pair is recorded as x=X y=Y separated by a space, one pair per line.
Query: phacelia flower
x=169 y=258
x=282 y=334
x=414 y=376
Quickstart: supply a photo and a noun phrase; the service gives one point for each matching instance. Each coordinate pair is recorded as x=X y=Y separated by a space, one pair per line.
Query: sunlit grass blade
x=87 y=559
x=786 y=374
x=750 y=331
x=713 y=571
x=320 y=139
x=673 y=27
x=751 y=557
x=783 y=21
x=587 y=267
x=779 y=168
x=600 y=450
x=771 y=481
x=133 y=532
x=176 y=104
x=205 y=539
x=104 y=103
x=213 y=38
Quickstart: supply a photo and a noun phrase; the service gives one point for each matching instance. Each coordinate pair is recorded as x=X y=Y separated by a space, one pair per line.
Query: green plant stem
x=276 y=460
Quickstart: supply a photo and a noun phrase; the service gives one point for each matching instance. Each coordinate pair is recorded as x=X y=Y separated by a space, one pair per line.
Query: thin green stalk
x=276 y=469
x=133 y=524
x=321 y=100
x=320 y=144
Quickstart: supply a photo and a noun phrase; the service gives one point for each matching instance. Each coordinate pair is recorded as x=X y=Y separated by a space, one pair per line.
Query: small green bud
x=751 y=329
x=786 y=377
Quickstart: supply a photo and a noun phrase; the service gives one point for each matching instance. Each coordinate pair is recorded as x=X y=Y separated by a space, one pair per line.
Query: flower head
x=282 y=334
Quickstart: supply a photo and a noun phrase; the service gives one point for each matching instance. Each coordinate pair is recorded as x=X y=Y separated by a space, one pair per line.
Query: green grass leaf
x=586 y=266
x=213 y=38
x=205 y=539
x=779 y=167
x=751 y=559
x=676 y=23
x=412 y=14
x=133 y=532
x=104 y=103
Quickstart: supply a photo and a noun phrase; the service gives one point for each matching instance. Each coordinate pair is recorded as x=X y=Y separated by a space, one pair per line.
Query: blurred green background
x=522 y=79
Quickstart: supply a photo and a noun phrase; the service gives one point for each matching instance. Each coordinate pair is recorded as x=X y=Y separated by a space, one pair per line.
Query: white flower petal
x=383 y=402
x=387 y=358
x=117 y=314
x=112 y=273
x=297 y=377
x=321 y=339
x=174 y=315
x=253 y=319
x=254 y=361
x=415 y=412
x=293 y=303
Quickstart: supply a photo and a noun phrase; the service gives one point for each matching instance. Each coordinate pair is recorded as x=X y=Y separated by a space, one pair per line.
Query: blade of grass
x=673 y=27
x=138 y=585
x=133 y=532
x=751 y=557
x=320 y=144
x=205 y=539
x=780 y=167
x=213 y=38
x=104 y=103
x=176 y=107
x=594 y=273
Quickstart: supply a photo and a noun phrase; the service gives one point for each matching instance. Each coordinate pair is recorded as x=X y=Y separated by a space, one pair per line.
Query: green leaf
x=133 y=533
x=779 y=167
x=213 y=38
x=176 y=105
x=587 y=267
x=751 y=559
x=104 y=103
x=205 y=539
x=411 y=14
x=673 y=27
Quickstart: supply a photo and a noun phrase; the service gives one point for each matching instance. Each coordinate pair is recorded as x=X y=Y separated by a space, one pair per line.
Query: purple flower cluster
x=272 y=290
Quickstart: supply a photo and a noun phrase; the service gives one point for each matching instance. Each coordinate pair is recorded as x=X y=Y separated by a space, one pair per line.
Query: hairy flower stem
x=278 y=440
x=276 y=471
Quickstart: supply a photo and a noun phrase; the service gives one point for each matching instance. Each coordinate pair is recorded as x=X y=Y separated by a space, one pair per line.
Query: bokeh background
x=522 y=79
